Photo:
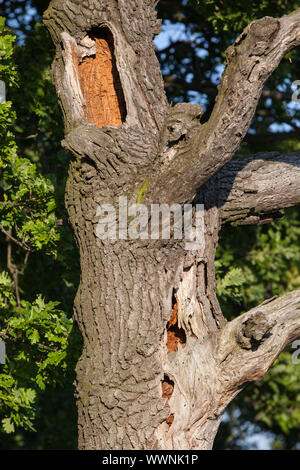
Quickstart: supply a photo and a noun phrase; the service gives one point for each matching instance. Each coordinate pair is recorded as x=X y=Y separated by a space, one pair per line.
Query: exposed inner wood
x=167 y=387
x=100 y=83
x=167 y=390
x=170 y=420
x=175 y=334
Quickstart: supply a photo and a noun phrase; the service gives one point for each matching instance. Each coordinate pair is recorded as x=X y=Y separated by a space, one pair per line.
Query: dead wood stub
x=100 y=82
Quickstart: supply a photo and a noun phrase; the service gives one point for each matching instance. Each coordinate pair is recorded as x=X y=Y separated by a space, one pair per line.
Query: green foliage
x=265 y=262
x=228 y=16
x=37 y=341
x=228 y=286
x=8 y=71
x=28 y=202
x=281 y=398
x=36 y=332
x=28 y=197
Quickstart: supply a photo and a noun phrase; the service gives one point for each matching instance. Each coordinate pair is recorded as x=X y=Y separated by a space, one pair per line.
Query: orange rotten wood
x=167 y=390
x=100 y=83
x=175 y=334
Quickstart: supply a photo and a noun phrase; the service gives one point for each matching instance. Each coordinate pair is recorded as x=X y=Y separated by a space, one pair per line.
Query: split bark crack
x=156 y=153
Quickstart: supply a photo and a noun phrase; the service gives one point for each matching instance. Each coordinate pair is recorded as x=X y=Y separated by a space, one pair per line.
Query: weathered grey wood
x=249 y=344
x=159 y=360
x=220 y=366
x=251 y=190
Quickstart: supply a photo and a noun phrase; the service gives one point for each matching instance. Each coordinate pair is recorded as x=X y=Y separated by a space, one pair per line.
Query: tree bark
x=159 y=362
x=253 y=190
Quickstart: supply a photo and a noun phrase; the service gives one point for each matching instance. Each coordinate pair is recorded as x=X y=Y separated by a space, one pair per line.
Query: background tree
x=181 y=62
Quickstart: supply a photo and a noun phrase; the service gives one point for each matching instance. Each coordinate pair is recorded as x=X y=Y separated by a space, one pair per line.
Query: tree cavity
x=100 y=82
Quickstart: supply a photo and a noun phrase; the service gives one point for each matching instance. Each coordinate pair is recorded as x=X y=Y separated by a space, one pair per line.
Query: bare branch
x=165 y=154
x=222 y=364
x=14 y=204
x=13 y=239
x=253 y=189
x=19 y=340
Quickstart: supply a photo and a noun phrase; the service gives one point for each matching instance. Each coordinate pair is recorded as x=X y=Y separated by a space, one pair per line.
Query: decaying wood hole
x=100 y=82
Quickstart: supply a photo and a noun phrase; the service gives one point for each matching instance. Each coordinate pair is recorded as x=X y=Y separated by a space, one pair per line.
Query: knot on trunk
x=179 y=122
x=254 y=331
x=262 y=34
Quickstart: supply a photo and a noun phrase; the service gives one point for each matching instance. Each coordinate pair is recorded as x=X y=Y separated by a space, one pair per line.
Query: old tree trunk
x=160 y=362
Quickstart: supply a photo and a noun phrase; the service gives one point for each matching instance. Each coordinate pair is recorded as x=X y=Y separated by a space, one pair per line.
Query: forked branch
x=203 y=151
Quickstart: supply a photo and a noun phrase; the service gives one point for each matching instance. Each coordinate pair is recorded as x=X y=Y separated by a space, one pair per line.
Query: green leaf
x=8 y=425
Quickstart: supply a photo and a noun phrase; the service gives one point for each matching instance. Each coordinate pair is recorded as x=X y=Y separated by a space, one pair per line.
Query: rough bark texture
x=253 y=190
x=160 y=363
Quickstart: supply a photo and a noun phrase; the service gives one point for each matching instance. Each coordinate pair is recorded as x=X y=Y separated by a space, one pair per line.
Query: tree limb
x=251 y=190
x=203 y=150
x=249 y=344
x=13 y=239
